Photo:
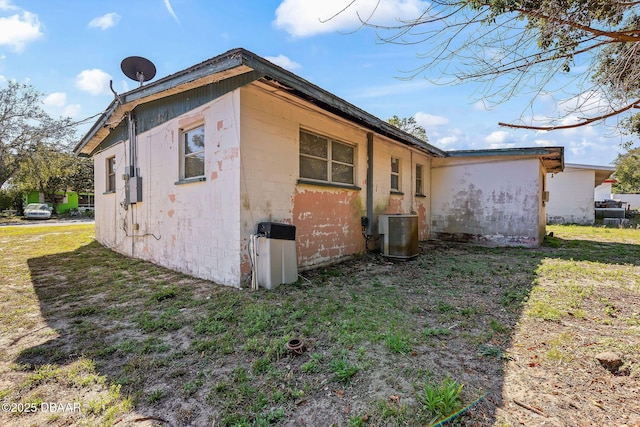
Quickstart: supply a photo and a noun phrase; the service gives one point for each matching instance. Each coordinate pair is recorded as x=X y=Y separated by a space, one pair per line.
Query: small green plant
x=609 y=309
x=342 y=370
x=155 y=396
x=392 y=411
x=441 y=400
x=435 y=332
x=490 y=351
x=357 y=421
x=190 y=388
x=398 y=343
x=312 y=365
x=498 y=327
x=262 y=366
x=552 y=242
x=165 y=294
x=84 y=311
x=443 y=307
x=542 y=308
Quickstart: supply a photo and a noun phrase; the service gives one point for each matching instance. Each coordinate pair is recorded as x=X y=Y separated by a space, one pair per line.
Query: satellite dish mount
x=138 y=68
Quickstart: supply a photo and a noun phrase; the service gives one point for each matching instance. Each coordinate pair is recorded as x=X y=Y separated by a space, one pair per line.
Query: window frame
x=329 y=160
x=184 y=133
x=395 y=174
x=419 y=180
x=110 y=186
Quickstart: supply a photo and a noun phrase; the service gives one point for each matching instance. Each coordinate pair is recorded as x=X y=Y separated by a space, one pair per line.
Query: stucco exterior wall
x=327 y=219
x=571 y=197
x=489 y=201
x=189 y=227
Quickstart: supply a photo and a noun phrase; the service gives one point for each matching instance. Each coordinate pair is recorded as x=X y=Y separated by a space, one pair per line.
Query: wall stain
x=327 y=225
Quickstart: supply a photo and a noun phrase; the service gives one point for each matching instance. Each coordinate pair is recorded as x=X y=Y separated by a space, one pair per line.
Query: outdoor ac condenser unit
x=399 y=235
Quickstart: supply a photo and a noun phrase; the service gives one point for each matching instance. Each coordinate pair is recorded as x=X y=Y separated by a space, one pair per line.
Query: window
x=192 y=153
x=111 y=174
x=419 y=180
x=85 y=200
x=395 y=174
x=57 y=198
x=323 y=159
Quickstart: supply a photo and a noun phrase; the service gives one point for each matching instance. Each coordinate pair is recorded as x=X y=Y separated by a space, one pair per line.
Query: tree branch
x=624 y=36
x=575 y=125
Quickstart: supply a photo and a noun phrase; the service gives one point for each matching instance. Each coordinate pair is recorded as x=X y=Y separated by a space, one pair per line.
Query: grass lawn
x=507 y=336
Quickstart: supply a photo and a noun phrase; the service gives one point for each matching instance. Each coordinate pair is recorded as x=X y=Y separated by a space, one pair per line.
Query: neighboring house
x=186 y=168
x=67 y=200
x=572 y=193
x=631 y=201
x=604 y=191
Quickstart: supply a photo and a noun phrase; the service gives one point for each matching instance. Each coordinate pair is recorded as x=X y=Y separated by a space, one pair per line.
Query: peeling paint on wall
x=395 y=205
x=327 y=225
x=423 y=224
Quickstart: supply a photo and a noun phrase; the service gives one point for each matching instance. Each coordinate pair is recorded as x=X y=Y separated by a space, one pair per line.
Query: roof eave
x=338 y=105
x=223 y=66
x=216 y=68
x=551 y=157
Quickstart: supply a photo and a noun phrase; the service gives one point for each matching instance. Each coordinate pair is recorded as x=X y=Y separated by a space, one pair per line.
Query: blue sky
x=70 y=49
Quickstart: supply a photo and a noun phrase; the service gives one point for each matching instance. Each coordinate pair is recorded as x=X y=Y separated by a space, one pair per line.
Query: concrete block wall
x=327 y=219
x=188 y=227
x=488 y=201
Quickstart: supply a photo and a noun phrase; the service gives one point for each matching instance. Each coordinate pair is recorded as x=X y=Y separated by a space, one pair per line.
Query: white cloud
x=496 y=138
x=304 y=18
x=447 y=141
x=284 y=62
x=429 y=120
x=2 y=78
x=481 y=106
x=56 y=99
x=501 y=145
x=19 y=29
x=105 y=21
x=71 y=110
x=167 y=4
x=544 y=142
x=6 y=5
x=94 y=81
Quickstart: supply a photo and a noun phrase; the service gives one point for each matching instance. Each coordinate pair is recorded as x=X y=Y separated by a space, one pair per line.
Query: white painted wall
x=603 y=192
x=571 y=196
x=193 y=228
x=488 y=200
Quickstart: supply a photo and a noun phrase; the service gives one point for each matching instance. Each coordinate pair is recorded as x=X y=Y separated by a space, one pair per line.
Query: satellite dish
x=138 y=68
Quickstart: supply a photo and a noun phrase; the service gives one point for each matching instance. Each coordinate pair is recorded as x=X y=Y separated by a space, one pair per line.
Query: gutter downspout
x=369 y=185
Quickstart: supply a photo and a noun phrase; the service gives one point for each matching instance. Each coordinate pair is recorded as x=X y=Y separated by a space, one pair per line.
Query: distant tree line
x=36 y=149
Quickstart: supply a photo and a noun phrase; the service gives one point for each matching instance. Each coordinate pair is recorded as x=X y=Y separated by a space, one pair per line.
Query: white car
x=37 y=211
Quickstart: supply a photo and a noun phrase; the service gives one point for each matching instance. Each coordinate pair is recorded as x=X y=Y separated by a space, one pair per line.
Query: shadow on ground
x=189 y=352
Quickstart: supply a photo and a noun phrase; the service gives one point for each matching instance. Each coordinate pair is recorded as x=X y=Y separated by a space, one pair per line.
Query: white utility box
x=277 y=261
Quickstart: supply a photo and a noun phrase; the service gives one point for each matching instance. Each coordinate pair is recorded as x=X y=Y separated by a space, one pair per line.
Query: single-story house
x=572 y=194
x=186 y=167
x=65 y=200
